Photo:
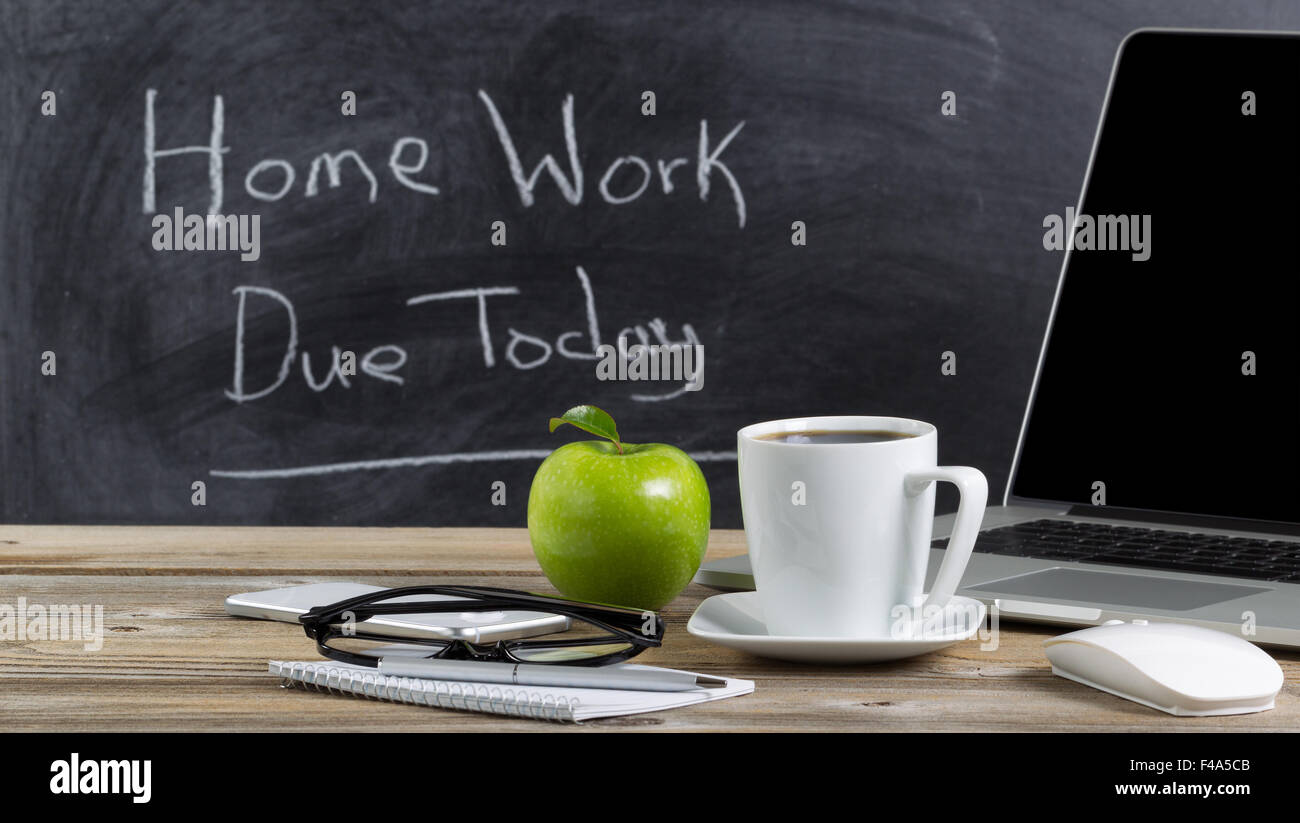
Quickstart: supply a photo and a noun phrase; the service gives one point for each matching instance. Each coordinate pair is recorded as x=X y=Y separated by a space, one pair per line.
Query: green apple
x=617 y=523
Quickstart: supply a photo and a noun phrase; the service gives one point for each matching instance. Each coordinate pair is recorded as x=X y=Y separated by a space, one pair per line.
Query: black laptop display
x=1174 y=380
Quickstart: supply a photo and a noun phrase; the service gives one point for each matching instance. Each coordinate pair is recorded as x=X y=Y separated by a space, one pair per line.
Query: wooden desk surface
x=172 y=660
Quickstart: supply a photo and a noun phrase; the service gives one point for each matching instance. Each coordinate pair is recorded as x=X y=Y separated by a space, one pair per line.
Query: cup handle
x=974 y=490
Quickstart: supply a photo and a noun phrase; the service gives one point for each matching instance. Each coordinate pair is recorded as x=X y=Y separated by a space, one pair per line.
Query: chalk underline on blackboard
x=415 y=462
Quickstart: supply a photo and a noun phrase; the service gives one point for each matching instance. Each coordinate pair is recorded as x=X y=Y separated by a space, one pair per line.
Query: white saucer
x=735 y=621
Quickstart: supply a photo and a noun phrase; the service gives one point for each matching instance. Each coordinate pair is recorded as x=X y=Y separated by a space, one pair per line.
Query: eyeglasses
x=595 y=634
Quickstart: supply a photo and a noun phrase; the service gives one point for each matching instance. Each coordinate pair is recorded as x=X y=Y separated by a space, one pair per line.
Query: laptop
x=1157 y=471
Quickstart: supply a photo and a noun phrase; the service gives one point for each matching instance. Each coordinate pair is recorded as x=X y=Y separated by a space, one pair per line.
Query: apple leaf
x=591 y=420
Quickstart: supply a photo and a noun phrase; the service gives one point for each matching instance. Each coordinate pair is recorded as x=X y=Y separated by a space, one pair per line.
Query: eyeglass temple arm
x=479 y=593
x=313 y=622
x=364 y=608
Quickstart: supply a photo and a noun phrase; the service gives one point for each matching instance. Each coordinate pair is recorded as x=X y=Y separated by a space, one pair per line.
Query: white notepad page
x=540 y=702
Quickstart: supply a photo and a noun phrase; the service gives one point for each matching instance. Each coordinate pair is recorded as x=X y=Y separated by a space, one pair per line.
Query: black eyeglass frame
x=641 y=629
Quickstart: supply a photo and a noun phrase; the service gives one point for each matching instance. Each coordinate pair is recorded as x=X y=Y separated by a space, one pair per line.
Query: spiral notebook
x=537 y=702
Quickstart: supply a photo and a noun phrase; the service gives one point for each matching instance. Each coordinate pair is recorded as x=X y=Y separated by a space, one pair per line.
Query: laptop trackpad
x=1117 y=589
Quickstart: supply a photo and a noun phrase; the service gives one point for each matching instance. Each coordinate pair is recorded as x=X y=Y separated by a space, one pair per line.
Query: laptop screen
x=1170 y=379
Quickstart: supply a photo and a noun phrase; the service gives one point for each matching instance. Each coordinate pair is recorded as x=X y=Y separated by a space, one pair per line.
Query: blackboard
x=922 y=228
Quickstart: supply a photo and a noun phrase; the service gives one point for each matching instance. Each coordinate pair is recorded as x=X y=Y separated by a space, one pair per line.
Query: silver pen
x=533 y=674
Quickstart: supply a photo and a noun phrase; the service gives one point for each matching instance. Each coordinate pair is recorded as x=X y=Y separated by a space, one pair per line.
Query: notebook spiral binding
x=474 y=697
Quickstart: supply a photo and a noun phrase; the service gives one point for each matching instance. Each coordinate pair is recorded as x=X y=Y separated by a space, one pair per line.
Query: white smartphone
x=285 y=605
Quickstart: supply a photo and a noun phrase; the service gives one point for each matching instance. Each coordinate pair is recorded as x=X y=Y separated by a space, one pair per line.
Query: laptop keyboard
x=1274 y=560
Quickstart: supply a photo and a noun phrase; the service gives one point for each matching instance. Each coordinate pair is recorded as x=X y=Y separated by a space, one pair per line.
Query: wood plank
x=172 y=660
x=179 y=550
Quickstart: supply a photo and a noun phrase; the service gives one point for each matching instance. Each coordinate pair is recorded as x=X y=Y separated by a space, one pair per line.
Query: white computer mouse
x=1173 y=667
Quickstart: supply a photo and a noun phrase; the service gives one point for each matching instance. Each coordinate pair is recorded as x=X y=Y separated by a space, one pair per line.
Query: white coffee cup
x=839 y=533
